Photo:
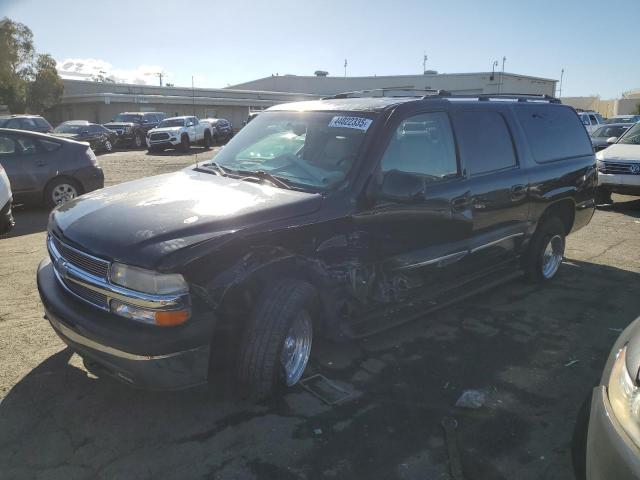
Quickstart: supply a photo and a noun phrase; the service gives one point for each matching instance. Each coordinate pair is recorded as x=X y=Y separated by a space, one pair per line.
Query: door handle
x=459 y=204
x=518 y=192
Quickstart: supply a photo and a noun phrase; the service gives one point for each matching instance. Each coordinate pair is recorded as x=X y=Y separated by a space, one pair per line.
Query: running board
x=419 y=307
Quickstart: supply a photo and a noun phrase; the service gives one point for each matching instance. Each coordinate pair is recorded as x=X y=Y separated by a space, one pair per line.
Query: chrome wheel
x=297 y=348
x=107 y=146
x=552 y=256
x=62 y=193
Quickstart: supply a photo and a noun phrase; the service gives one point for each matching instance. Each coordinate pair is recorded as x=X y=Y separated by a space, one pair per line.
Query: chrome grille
x=88 y=295
x=88 y=263
x=159 y=136
x=621 y=168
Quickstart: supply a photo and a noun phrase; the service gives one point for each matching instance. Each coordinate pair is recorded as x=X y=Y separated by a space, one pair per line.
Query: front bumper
x=141 y=355
x=625 y=184
x=6 y=218
x=610 y=453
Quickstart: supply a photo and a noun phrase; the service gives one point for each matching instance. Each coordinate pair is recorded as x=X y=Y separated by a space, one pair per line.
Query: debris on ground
x=472 y=399
x=572 y=362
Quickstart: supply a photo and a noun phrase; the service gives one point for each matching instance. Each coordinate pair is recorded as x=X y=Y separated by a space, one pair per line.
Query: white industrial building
x=460 y=83
x=627 y=104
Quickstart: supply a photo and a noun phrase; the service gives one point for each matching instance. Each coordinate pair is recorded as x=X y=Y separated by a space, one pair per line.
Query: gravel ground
x=59 y=422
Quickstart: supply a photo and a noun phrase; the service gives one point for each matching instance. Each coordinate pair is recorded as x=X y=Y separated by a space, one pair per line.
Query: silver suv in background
x=32 y=123
x=591 y=120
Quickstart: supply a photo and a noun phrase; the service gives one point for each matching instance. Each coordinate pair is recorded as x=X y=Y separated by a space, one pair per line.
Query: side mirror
x=611 y=140
x=401 y=187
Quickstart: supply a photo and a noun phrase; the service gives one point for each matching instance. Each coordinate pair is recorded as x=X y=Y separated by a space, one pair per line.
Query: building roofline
x=367 y=77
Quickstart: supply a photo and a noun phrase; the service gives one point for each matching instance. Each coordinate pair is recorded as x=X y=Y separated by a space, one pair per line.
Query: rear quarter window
x=553 y=132
x=42 y=123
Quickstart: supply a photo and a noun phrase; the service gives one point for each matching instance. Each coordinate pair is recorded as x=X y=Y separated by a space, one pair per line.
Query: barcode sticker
x=358 y=123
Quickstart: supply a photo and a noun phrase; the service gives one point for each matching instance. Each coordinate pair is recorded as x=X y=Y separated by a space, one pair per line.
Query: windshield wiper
x=216 y=167
x=262 y=175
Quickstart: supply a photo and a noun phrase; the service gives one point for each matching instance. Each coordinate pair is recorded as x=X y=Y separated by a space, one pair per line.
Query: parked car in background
x=623 y=119
x=179 y=132
x=132 y=127
x=608 y=134
x=47 y=169
x=221 y=128
x=33 y=123
x=342 y=217
x=607 y=434
x=6 y=198
x=100 y=138
x=591 y=120
x=619 y=166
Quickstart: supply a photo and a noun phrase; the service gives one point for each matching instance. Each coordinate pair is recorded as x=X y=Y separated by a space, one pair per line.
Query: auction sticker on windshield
x=358 y=123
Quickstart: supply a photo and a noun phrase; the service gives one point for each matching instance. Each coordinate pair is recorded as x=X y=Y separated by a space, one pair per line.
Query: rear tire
x=278 y=334
x=545 y=253
x=61 y=190
x=207 y=140
x=603 y=197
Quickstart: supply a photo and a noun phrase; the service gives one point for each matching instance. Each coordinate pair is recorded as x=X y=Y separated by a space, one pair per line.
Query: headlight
x=600 y=165
x=600 y=156
x=624 y=397
x=147 y=281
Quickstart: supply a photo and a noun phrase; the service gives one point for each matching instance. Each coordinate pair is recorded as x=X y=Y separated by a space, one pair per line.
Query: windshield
x=127 y=117
x=607 y=132
x=307 y=149
x=632 y=137
x=70 y=128
x=171 y=122
x=628 y=119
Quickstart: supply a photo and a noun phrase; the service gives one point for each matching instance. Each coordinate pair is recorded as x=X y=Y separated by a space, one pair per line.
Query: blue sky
x=228 y=42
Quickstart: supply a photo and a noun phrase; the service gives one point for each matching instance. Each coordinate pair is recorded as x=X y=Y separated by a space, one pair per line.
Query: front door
x=25 y=163
x=418 y=223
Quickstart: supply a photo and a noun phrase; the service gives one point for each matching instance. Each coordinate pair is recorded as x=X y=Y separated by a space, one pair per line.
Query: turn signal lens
x=171 y=318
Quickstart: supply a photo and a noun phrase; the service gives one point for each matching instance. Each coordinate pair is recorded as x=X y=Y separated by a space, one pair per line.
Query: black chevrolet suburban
x=132 y=127
x=341 y=217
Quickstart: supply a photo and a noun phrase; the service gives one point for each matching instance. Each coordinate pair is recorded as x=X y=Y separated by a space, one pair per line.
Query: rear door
x=498 y=183
x=25 y=162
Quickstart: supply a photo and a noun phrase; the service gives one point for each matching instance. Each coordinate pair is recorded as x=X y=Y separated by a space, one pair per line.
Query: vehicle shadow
x=193 y=150
x=28 y=220
x=626 y=205
x=516 y=342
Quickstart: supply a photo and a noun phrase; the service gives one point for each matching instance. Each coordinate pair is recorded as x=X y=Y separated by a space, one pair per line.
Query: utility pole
x=561 y=78
x=424 y=64
x=193 y=96
x=160 y=75
x=345 y=68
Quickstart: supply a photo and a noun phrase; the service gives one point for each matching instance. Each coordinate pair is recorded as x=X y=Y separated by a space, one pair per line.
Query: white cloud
x=91 y=68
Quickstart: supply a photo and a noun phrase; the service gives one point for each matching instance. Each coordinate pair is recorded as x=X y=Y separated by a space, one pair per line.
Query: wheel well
x=564 y=210
x=62 y=177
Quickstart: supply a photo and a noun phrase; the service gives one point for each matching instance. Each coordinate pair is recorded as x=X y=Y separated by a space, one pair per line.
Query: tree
x=45 y=90
x=27 y=80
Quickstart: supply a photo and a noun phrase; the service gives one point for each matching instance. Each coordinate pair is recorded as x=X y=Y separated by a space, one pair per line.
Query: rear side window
x=42 y=123
x=7 y=145
x=553 y=132
x=484 y=141
x=49 y=146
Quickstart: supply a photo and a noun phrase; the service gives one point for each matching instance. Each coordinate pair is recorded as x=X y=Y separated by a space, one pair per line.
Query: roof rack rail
x=390 y=92
x=427 y=93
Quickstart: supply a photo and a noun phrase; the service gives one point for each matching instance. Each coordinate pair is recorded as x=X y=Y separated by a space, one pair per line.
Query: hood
x=142 y=222
x=71 y=136
x=165 y=129
x=119 y=124
x=621 y=152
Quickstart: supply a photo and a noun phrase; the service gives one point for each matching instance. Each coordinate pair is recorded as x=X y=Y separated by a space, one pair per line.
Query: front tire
x=138 y=141
x=185 y=144
x=108 y=146
x=277 y=341
x=603 y=197
x=207 y=141
x=545 y=253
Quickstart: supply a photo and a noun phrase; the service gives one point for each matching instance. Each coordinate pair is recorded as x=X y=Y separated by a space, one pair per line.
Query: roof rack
x=427 y=93
x=390 y=92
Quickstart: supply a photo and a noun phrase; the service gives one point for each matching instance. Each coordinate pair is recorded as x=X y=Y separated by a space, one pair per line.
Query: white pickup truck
x=179 y=132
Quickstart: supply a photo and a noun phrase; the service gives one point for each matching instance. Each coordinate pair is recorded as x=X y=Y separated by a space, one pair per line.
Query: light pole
x=561 y=78
x=493 y=70
x=345 y=68
x=504 y=59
